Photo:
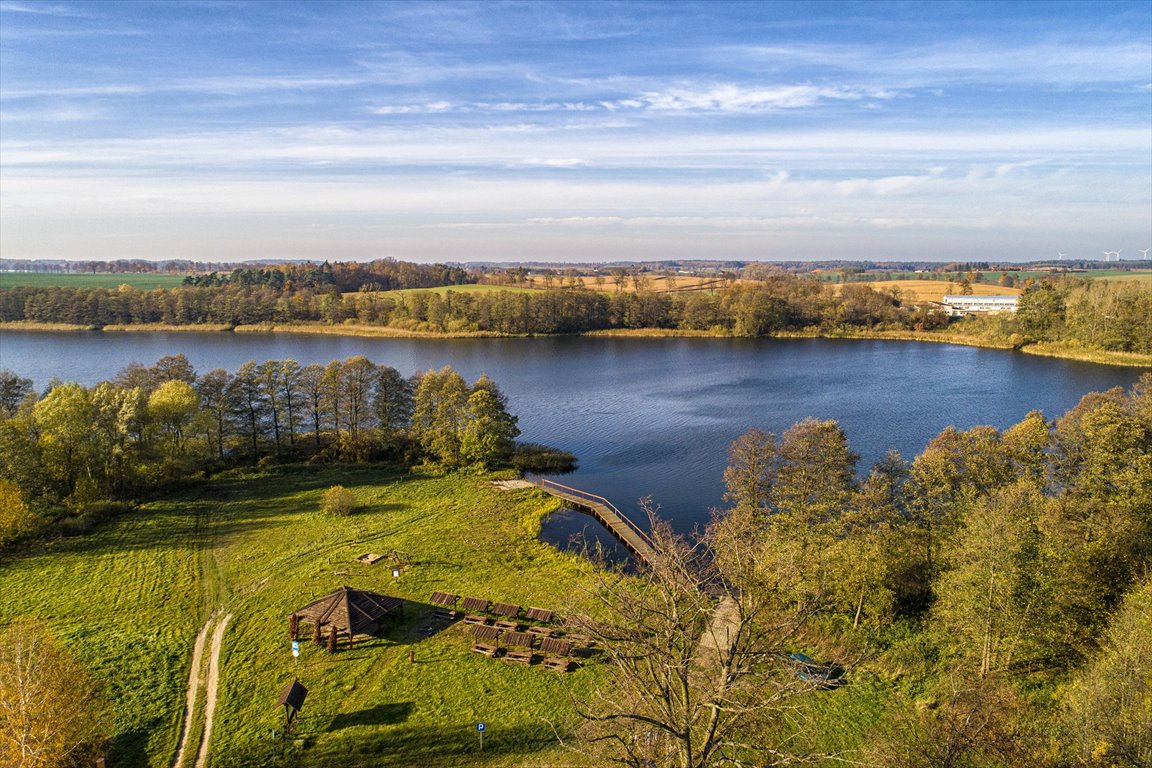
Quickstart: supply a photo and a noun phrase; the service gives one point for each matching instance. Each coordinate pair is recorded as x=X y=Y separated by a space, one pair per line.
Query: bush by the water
x=533 y=457
x=338 y=500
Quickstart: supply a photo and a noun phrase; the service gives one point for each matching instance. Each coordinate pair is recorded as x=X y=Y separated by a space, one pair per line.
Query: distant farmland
x=441 y=290
x=934 y=290
x=648 y=282
x=143 y=281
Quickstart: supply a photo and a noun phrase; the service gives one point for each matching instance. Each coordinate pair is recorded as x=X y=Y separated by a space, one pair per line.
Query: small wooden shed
x=349 y=611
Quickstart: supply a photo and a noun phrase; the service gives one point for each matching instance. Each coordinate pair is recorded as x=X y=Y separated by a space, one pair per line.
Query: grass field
x=649 y=282
x=1112 y=274
x=143 y=281
x=445 y=289
x=129 y=599
x=934 y=290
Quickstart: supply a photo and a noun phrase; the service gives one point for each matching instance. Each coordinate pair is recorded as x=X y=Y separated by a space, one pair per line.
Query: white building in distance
x=958 y=306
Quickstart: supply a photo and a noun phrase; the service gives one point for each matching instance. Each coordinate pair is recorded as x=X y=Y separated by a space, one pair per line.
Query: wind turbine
x=1144 y=251
x=1109 y=254
x=1060 y=255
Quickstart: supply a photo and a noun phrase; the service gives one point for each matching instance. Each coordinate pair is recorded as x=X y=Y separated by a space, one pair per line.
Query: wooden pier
x=626 y=532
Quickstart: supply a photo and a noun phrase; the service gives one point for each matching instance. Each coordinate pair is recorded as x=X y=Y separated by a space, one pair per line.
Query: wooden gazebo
x=347 y=612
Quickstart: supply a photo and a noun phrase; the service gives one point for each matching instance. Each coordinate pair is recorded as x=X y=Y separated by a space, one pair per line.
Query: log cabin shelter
x=350 y=611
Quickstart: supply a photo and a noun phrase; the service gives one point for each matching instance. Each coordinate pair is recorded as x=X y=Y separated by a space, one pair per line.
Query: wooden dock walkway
x=626 y=532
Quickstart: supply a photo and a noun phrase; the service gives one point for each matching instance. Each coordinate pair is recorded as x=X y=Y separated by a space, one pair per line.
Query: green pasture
x=143 y=281
x=129 y=598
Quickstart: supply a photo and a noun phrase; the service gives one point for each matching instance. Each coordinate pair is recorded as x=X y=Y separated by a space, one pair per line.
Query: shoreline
x=1060 y=350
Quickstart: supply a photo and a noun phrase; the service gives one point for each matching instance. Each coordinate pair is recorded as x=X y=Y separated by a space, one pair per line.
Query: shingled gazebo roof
x=351 y=611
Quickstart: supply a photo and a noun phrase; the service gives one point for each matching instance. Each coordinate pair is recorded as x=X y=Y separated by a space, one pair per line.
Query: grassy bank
x=129 y=599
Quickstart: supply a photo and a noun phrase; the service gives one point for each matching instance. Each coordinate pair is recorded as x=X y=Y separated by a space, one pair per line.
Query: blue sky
x=575 y=131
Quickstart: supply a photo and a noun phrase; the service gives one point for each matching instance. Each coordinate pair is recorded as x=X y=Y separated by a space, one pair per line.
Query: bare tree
x=698 y=646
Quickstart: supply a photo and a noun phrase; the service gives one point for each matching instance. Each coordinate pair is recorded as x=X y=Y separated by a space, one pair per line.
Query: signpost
x=480 y=727
x=295 y=650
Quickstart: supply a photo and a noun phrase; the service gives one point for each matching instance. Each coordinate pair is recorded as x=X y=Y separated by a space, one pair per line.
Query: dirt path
x=725 y=622
x=193 y=690
x=197 y=739
x=210 y=698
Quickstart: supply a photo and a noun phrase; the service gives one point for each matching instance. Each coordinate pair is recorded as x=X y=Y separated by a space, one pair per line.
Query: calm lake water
x=650 y=417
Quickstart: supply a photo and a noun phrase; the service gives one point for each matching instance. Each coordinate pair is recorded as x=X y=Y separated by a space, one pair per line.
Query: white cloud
x=41 y=9
x=735 y=98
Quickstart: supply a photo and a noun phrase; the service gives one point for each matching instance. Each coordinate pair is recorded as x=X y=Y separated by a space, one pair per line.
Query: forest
x=1101 y=315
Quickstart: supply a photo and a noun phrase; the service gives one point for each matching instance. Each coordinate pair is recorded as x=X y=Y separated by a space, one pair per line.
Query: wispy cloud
x=42 y=9
x=964 y=61
x=710 y=98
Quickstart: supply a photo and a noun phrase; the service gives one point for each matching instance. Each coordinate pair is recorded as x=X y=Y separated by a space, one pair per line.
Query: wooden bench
x=540 y=615
x=476 y=605
x=542 y=631
x=507 y=610
x=556 y=654
x=485 y=640
x=519 y=646
x=476 y=619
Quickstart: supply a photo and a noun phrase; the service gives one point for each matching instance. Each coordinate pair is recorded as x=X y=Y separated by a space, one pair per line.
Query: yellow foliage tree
x=51 y=712
x=15 y=517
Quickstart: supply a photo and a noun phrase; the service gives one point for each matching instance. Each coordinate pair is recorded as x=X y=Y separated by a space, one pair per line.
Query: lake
x=650 y=416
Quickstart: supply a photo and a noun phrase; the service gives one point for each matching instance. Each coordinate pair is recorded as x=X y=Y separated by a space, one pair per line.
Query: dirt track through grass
x=213 y=685
x=193 y=691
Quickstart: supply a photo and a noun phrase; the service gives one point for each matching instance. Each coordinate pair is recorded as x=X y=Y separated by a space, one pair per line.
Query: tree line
x=1095 y=314
x=71 y=449
x=1000 y=584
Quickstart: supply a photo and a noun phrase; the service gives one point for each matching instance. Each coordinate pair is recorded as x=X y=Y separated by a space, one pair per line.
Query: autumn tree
x=173 y=405
x=248 y=403
x=16 y=519
x=1105 y=718
x=751 y=470
x=13 y=390
x=52 y=714
x=392 y=400
x=439 y=414
x=989 y=598
x=215 y=408
x=490 y=431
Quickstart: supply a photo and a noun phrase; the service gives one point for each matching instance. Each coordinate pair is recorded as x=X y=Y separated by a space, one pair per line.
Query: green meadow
x=143 y=281
x=129 y=598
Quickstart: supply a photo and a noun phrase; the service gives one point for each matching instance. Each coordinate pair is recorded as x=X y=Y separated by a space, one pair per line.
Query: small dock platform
x=626 y=532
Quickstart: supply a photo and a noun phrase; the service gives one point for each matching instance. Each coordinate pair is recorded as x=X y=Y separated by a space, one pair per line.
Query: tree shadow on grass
x=433 y=746
x=128 y=749
x=381 y=714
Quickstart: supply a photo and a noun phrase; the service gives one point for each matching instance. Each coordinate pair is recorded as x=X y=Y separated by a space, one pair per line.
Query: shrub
x=532 y=457
x=338 y=500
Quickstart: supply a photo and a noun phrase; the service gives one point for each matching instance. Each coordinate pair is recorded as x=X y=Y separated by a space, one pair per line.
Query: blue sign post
x=295 y=650
x=480 y=728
